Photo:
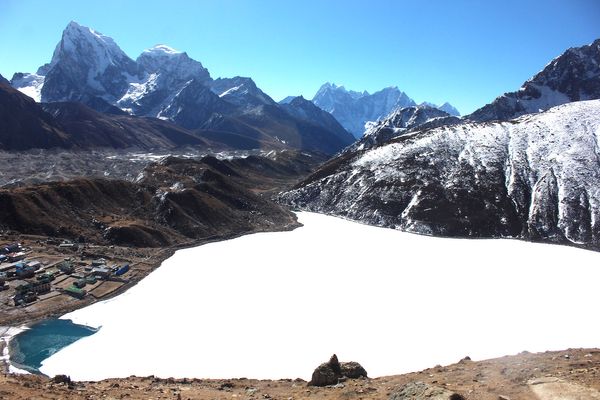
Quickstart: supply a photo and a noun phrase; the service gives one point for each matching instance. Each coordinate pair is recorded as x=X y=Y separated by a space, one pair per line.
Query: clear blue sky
x=465 y=52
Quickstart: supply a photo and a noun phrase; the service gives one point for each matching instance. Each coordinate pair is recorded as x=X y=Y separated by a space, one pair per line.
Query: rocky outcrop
x=424 y=391
x=331 y=372
x=305 y=110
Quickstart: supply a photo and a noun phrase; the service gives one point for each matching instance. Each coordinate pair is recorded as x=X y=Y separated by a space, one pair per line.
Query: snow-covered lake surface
x=275 y=305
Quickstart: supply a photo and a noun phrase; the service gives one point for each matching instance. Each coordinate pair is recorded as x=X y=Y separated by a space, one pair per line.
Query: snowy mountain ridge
x=572 y=76
x=536 y=177
x=357 y=110
x=402 y=121
x=88 y=67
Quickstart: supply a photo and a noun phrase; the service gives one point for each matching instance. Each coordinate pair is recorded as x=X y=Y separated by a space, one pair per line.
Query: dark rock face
x=424 y=391
x=331 y=372
x=87 y=129
x=4 y=81
x=533 y=178
x=305 y=110
x=573 y=76
x=275 y=124
x=24 y=125
x=194 y=105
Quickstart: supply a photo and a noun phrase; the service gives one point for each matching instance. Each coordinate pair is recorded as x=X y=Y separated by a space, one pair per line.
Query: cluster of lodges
x=34 y=278
x=92 y=273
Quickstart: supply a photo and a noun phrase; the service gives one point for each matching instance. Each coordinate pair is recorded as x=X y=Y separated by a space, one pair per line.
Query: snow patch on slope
x=29 y=84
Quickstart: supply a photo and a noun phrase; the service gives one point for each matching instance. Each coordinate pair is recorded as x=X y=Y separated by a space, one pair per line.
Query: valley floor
x=569 y=374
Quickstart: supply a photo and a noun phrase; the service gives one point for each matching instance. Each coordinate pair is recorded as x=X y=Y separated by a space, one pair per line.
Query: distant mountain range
x=89 y=68
x=355 y=109
x=533 y=177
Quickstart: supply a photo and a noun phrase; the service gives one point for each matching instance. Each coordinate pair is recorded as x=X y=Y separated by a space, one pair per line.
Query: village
x=46 y=277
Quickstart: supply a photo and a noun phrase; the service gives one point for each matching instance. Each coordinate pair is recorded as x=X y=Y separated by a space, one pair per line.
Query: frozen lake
x=275 y=305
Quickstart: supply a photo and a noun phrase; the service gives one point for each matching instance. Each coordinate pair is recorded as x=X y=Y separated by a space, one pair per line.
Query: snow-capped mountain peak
x=85 y=65
x=402 y=121
x=162 y=59
x=328 y=89
x=240 y=91
x=446 y=107
x=572 y=76
x=354 y=109
x=81 y=40
x=450 y=109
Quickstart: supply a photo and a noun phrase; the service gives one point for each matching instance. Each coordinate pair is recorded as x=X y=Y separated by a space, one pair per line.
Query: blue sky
x=465 y=52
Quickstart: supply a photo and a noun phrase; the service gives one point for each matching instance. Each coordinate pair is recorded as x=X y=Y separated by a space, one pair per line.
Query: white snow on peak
x=162 y=50
x=77 y=38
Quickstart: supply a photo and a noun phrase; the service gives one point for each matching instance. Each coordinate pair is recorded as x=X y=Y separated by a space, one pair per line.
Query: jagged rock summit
x=87 y=66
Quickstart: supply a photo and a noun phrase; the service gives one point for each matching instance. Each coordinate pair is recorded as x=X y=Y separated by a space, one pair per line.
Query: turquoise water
x=29 y=348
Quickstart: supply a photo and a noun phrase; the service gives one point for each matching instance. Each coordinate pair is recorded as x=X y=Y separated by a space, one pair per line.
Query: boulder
x=424 y=391
x=331 y=372
x=352 y=370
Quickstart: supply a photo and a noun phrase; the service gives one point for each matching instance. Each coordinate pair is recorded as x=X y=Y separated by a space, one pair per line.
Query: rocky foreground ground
x=572 y=374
